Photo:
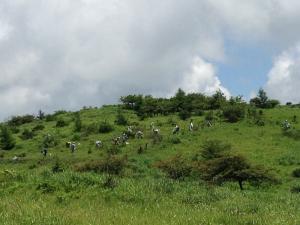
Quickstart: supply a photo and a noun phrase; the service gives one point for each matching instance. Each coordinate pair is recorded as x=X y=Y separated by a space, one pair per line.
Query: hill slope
x=32 y=192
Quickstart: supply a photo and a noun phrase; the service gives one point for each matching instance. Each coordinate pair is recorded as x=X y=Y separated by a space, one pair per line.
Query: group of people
x=123 y=139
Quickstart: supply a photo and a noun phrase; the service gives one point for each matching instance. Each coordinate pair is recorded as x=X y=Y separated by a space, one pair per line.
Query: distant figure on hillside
x=139 y=135
x=176 y=129
x=191 y=126
x=98 y=144
x=44 y=151
x=73 y=147
x=286 y=125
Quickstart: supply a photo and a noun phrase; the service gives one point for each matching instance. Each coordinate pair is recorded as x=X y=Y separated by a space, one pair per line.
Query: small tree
x=234 y=168
x=77 y=123
x=7 y=141
x=234 y=113
x=41 y=115
x=121 y=119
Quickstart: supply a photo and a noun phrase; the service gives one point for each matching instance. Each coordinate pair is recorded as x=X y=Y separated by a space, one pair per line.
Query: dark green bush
x=57 y=167
x=38 y=127
x=234 y=113
x=46 y=188
x=105 y=127
x=121 y=119
x=176 y=168
x=7 y=141
x=27 y=134
x=110 y=182
x=184 y=114
x=295 y=189
x=20 y=120
x=61 y=123
x=175 y=140
x=292 y=133
x=111 y=165
x=234 y=168
x=214 y=149
x=296 y=172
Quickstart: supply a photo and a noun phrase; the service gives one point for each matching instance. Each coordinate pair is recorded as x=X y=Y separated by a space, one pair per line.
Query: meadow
x=49 y=190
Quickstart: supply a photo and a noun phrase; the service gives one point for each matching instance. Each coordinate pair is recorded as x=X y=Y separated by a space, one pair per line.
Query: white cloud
x=202 y=78
x=284 y=77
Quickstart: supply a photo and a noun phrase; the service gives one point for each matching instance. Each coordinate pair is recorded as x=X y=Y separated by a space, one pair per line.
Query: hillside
x=55 y=189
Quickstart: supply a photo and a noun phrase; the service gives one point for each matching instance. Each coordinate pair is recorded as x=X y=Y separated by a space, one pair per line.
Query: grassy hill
x=35 y=191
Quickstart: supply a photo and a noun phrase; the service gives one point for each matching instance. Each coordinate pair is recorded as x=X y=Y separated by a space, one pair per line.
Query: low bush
x=38 y=127
x=105 y=127
x=61 y=123
x=20 y=120
x=234 y=113
x=111 y=165
x=175 y=140
x=27 y=134
x=184 y=114
x=176 y=168
x=214 y=149
x=292 y=133
x=295 y=189
x=121 y=119
x=296 y=172
x=46 y=188
x=234 y=168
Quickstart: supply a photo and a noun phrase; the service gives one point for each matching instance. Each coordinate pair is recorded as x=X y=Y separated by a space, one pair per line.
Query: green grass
x=30 y=193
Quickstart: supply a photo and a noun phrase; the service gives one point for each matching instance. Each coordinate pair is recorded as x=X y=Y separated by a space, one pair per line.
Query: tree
x=78 y=123
x=212 y=149
x=262 y=100
x=234 y=113
x=7 y=141
x=41 y=115
x=234 y=168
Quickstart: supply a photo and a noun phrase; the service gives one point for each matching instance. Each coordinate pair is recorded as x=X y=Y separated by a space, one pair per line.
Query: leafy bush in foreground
x=234 y=168
x=111 y=165
x=176 y=167
x=214 y=149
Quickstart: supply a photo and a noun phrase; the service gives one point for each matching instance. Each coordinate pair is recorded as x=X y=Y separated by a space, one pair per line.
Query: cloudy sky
x=69 y=53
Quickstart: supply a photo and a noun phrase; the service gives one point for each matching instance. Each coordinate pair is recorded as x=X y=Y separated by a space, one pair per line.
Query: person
x=44 y=151
x=191 y=127
x=176 y=129
x=286 y=125
x=73 y=147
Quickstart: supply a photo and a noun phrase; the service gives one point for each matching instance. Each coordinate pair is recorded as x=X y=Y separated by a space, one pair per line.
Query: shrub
x=111 y=165
x=175 y=140
x=234 y=168
x=296 y=172
x=234 y=113
x=1 y=155
x=90 y=129
x=57 y=167
x=105 y=127
x=7 y=141
x=49 y=118
x=21 y=155
x=292 y=133
x=184 y=114
x=20 y=120
x=110 y=182
x=61 y=123
x=121 y=119
x=295 y=189
x=46 y=188
x=38 y=127
x=77 y=122
x=214 y=149
x=209 y=116
x=176 y=167
x=27 y=134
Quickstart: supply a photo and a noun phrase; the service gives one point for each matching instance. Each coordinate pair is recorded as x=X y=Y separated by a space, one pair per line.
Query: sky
x=66 y=54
